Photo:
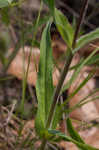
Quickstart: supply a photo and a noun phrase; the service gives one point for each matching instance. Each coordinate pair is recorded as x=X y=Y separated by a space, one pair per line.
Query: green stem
x=80 y=21
x=29 y=58
x=58 y=89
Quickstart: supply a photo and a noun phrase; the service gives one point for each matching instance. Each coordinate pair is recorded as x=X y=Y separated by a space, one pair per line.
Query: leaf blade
x=80 y=145
x=44 y=86
x=77 y=71
x=64 y=27
x=87 y=38
x=73 y=133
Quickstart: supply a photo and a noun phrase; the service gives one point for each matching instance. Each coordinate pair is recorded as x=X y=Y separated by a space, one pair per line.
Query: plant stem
x=29 y=58
x=65 y=71
x=80 y=21
x=67 y=64
x=58 y=89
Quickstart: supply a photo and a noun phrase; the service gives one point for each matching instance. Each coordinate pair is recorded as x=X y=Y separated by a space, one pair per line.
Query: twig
x=52 y=146
x=10 y=113
x=91 y=26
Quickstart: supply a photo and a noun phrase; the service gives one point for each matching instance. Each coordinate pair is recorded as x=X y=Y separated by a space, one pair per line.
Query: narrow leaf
x=94 y=60
x=80 y=145
x=87 y=38
x=79 y=104
x=44 y=86
x=82 y=84
x=57 y=117
x=77 y=71
x=73 y=133
x=64 y=27
x=87 y=101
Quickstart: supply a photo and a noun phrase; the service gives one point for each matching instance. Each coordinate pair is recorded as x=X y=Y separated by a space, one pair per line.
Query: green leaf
x=87 y=101
x=80 y=145
x=82 y=84
x=5 y=15
x=43 y=20
x=87 y=38
x=4 y=3
x=50 y=4
x=84 y=100
x=73 y=133
x=77 y=71
x=57 y=117
x=44 y=86
x=94 y=60
x=64 y=27
x=60 y=134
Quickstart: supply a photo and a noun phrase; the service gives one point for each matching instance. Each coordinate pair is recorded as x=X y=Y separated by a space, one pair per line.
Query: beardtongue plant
x=48 y=112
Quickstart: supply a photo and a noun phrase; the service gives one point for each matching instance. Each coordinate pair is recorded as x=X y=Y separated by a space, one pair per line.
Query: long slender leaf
x=73 y=133
x=77 y=65
x=87 y=38
x=94 y=60
x=57 y=117
x=64 y=27
x=82 y=84
x=80 y=145
x=44 y=86
x=83 y=100
x=77 y=71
